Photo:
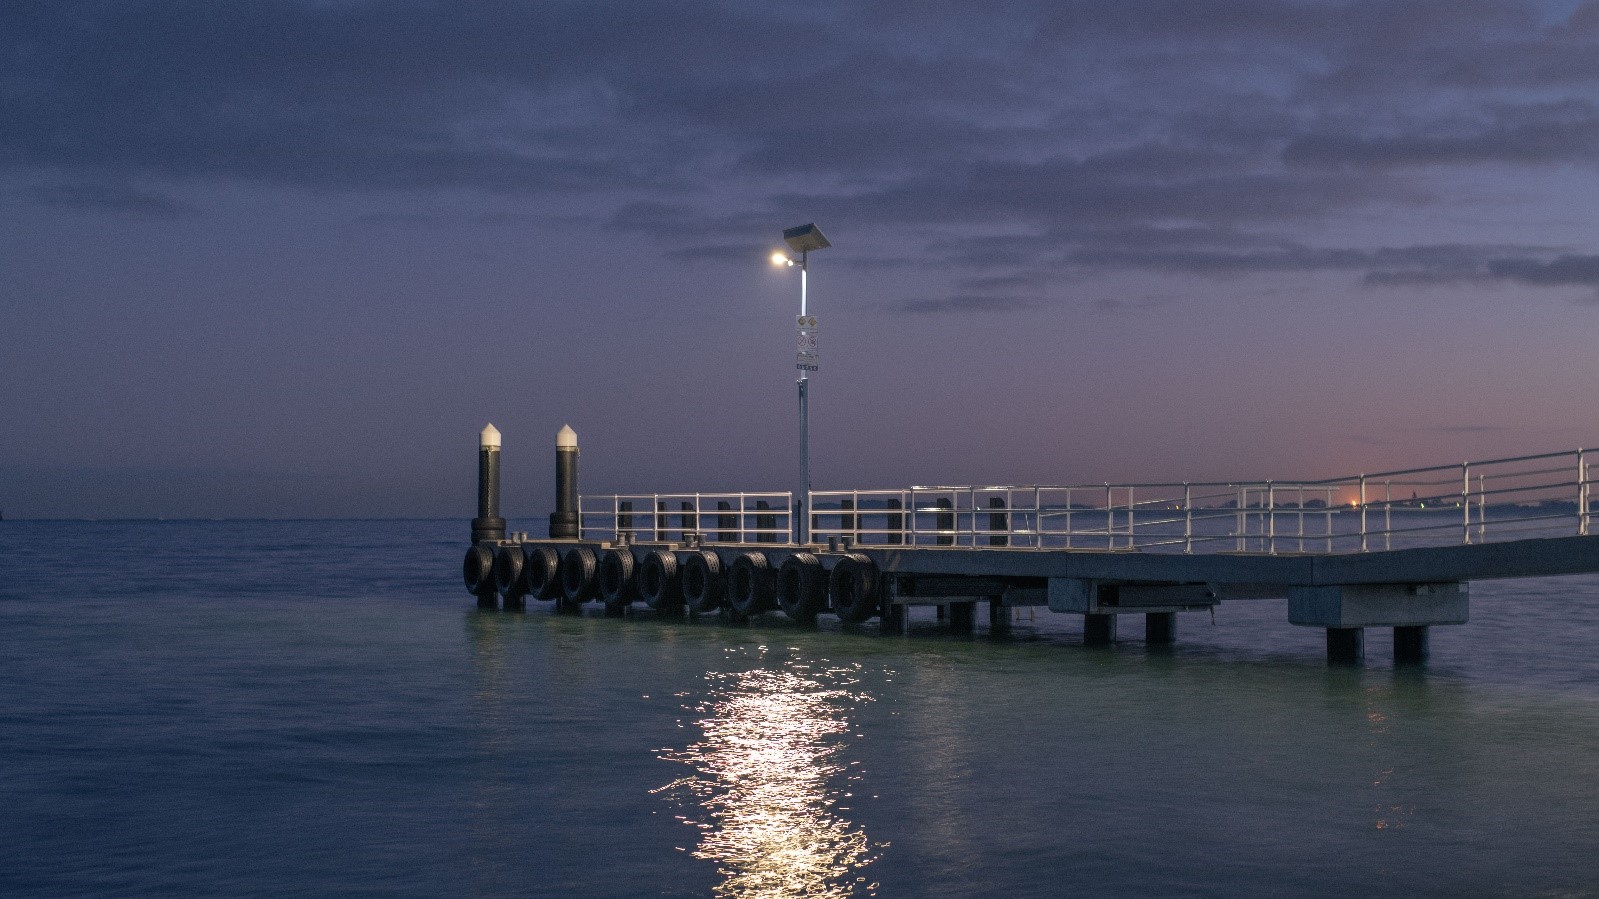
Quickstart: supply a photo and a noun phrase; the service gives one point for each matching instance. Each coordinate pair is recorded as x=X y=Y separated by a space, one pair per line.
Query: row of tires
x=668 y=580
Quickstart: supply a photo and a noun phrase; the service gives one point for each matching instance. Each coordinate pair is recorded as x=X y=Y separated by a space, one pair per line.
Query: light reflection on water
x=771 y=782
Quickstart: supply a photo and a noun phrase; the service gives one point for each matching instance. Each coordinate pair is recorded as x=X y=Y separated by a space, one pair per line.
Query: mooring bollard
x=488 y=525
x=563 y=521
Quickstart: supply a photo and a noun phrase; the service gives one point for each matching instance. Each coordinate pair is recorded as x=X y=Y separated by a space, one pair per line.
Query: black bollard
x=998 y=523
x=765 y=523
x=688 y=522
x=488 y=525
x=563 y=521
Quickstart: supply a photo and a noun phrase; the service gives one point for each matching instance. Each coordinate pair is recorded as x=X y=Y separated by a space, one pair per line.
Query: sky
x=285 y=258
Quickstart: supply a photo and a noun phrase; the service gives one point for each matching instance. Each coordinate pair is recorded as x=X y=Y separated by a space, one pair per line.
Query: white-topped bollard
x=488 y=525
x=563 y=521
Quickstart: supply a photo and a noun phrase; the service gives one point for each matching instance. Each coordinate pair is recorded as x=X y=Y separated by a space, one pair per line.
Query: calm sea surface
x=318 y=708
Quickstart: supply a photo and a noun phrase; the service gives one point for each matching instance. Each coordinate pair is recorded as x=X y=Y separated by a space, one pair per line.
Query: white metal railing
x=673 y=517
x=1551 y=494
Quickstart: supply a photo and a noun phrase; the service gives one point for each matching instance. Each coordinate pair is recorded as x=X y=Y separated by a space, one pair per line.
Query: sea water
x=265 y=708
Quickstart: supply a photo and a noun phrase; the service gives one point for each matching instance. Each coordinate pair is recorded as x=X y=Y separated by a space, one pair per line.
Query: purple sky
x=286 y=258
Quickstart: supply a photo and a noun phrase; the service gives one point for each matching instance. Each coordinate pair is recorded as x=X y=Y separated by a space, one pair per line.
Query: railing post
x=1188 y=518
x=1240 y=522
x=1363 y=547
x=1482 y=509
x=1110 y=520
x=1301 y=516
x=1132 y=535
x=1328 y=500
x=1271 y=518
x=1068 y=518
x=1388 y=515
x=1038 y=519
x=1465 y=500
x=1583 y=494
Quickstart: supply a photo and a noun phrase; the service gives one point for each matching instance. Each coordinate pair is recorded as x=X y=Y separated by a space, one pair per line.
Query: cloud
x=1560 y=271
x=962 y=303
x=1039 y=140
x=1566 y=132
x=116 y=198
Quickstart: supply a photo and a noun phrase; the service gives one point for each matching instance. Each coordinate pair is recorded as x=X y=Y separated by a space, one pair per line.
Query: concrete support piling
x=896 y=619
x=1160 y=628
x=563 y=521
x=1099 y=630
x=998 y=614
x=963 y=617
x=1411 y=644
x=1346 y=645
x=488 y=525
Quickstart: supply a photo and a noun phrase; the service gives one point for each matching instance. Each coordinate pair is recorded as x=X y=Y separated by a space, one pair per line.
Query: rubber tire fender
x=477 y=569
x=508 y=571
x=658 y=581
x=541 y=573
x=750 y=585
x=853 y=588
x=618 y=587
x=704 y=587
x=801 y=587
x=578 y=581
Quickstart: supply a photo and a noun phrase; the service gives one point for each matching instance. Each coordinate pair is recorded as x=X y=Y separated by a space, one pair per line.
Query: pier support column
x=1099 y=630
x=896 y=619
x=998 y=614
x=1411 y=644
x=1160 y=628
x=1410 y=609
x=488 y=525
x=1346 y=645
x=563 y=521
x=963 y=617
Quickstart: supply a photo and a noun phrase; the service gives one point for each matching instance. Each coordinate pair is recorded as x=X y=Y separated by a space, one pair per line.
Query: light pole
x=803 y=240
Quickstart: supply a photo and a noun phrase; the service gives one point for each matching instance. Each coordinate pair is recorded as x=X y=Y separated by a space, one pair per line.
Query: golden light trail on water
x=769 y=767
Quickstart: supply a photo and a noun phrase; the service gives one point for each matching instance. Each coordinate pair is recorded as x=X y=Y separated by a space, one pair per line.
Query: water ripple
x=772 y=782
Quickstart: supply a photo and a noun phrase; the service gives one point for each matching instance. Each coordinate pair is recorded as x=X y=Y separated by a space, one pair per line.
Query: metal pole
x=805 y=427
x=1582 y=493
x=1188 y=518
x=1363 y=513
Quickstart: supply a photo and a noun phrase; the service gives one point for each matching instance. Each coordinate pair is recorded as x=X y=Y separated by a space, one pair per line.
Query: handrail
x=1469 y=502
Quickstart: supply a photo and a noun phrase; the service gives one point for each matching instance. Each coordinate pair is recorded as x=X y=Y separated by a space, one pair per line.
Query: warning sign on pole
x=806 y=360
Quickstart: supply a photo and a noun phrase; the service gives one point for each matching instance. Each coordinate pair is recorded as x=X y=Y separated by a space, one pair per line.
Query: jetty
x=1389 y=550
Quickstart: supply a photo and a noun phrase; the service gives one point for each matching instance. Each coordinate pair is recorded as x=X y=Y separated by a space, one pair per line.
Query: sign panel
x=806 y=359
